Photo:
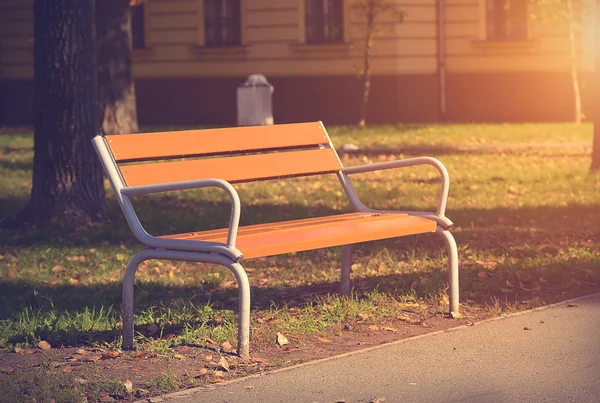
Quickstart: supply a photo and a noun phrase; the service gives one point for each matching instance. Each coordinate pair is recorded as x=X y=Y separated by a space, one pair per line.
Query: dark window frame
x=222 y=23
x=324 y=21
x=138 y=27
x=507 y=21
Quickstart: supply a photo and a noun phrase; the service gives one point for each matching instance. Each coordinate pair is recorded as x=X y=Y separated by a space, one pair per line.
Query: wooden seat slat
x=315 y=233
x=274 y=226
x=234 y=169
x=162 y=145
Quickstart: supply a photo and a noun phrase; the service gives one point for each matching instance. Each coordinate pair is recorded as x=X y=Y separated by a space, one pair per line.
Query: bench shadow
x=479 y=230
x=493 y=229
x=45 y=299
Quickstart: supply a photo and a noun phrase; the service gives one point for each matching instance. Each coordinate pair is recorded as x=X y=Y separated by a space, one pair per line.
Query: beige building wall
x=483 y=78
x=273 y=42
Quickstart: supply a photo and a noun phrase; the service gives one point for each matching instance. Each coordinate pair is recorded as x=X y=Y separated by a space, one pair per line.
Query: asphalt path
x=544 y=355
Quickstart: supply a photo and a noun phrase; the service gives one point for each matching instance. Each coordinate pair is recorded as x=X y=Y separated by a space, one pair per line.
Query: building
x=452 y=60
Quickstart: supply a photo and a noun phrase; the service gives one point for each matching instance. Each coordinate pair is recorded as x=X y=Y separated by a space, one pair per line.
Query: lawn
x=526 y=226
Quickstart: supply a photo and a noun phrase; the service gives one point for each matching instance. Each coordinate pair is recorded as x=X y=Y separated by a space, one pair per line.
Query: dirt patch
x=113 y=375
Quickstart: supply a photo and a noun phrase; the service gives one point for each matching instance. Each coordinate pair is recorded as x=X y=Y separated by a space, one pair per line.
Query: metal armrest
x=234 y=198
x=440 y=214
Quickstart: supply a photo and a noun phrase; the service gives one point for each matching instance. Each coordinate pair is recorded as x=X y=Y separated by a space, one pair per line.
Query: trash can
x=254 y=102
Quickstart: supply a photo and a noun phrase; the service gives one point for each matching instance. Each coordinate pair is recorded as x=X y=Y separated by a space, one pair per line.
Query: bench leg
x=236 y=268
x=452 y=270
x=243 y=349
x=127 y=310
x=346 y=268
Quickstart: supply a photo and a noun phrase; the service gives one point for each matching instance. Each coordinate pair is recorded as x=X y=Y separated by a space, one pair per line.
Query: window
x=507 y=20
x=222 y=23
x=324 y=21
x=138 y=29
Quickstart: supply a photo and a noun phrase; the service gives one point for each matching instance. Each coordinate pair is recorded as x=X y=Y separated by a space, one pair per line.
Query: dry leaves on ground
x=281 y=339
x=44 y=345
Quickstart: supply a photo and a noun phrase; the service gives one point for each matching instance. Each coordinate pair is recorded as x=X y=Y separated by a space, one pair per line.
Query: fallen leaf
x=456 y=315
x=200 y=372
x=281 y=339
x=410 y=320
x=482 y=275
x=6 y=370
x=111 y=354
x=220 y=374
x=526 y=328
x=128 y=386
x=211 y=341
x=324 y=340
x=227 y=347
x=92 y=358
x=68 y=369
x=156 y=399
x=260 y=360
x=76 y=357
x=140 y=355
x=224 y=364
x=249 y=387
x=120 y=257
x=44 y=345
x=73 y=281
x=179 y=356
x=55 y=364
x=56 y=268
x=215 y=380
x=82 y=351
x=208 y=357
x=542 y=322
x=373 y=328
x=389 y=329
x=379 y=399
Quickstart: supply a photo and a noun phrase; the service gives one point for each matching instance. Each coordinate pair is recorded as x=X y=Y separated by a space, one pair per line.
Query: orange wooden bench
x=168 y=161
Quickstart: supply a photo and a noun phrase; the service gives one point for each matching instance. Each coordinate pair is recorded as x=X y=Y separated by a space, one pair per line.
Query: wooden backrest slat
x=234 y=169
x=164 y=145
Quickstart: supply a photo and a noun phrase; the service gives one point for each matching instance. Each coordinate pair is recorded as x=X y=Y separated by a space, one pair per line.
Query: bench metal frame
x=229 y=256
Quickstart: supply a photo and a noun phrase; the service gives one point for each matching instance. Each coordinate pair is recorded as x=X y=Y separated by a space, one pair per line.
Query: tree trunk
x=67 y=177
x=595 y=167
x=366 y=74
x=573 y=57
x=116 y=91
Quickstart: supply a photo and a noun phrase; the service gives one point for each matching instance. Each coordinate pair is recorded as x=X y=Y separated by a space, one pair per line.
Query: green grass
x=460 y=134
x=526 y=226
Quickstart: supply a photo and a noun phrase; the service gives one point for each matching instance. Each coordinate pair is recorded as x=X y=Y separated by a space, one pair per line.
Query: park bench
x=147 y=163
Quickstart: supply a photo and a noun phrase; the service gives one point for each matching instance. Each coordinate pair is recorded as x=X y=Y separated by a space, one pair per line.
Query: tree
x=116 y=91
x=77 y=98
x=67 y=177
x=595 y=167
x=371 y=10
x=573 y=13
